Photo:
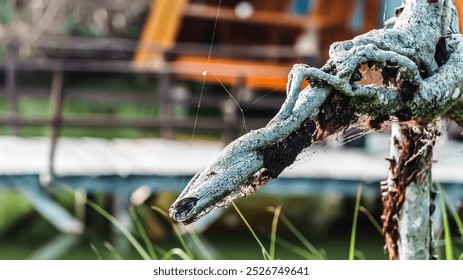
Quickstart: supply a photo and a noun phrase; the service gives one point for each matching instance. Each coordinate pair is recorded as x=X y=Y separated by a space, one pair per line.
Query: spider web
x=339 y=139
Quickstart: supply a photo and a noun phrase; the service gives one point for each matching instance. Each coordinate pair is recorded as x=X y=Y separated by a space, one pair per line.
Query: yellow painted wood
x=160 y=30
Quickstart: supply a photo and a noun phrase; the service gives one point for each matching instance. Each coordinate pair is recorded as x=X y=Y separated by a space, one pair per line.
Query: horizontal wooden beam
x=272 y=18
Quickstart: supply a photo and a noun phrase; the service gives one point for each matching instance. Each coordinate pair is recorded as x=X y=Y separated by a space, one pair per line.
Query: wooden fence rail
x=229 y=124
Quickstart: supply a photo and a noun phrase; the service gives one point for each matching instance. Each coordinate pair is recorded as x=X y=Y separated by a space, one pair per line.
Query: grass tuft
x=202 y=249
x=112 y=250
x=119 y=226
x=454 y=213
x=141 y=230
x=127 y=234
x=95 y=250
x=265 y=253
x=354 y=224
x=273 y=235
x=313 y=252
x=445 y=221
x=186 y=248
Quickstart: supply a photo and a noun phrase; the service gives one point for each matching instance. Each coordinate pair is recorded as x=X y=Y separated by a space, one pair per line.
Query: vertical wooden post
x=56 y=98
x=10 y=84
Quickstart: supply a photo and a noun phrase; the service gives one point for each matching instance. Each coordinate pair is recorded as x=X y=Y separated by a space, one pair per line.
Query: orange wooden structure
x=270 y=23
x=459 y=5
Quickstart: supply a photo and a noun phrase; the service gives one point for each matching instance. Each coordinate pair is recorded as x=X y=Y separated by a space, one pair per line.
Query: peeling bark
x=420 y=59
x=407 y=194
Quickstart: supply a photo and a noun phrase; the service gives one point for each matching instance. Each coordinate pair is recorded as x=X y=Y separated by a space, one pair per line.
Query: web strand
x=204 y=76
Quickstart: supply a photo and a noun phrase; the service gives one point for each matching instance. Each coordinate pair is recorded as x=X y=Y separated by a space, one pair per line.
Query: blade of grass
x=314 y=251
x=360 y=255
x=445 y=221
x=160 y=250
x=121 y=228
x=264 y=251
x=198 y=243
x=112 y=250
x=372 y=219
x=454 y=213
x=276 y=217
x=141 y=230
x=97 y=253
x=129 y=236
x=176 y=252
x=354 y=224
x=296 y=250
x=179 y=236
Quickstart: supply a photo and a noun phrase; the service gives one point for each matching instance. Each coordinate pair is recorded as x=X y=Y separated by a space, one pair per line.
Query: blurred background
x=120 y=102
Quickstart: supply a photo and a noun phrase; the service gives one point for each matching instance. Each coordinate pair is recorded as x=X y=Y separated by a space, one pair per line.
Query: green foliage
x=6 y=12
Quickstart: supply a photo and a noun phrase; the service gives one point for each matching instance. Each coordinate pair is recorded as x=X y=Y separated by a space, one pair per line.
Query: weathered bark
x=419 y=58
x=407 y=194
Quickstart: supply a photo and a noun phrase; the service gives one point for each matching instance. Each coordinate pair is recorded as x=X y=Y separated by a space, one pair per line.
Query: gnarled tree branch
x=419 y=59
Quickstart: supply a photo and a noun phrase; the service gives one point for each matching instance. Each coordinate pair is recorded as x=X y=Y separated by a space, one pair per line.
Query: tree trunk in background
x=407 y=195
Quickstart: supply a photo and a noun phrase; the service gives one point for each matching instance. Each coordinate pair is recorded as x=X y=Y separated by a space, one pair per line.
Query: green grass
x=127 y=234
x=147 y=251
x=281 y=239
x=186 y=253
x=11 y=199
x=265 y=253
x=139 y=227
x=273 y=235
x=31 y=108
x=40 y=107
x=446 y=224
x=450 y=242
x=310 y=251
x=354 y=225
